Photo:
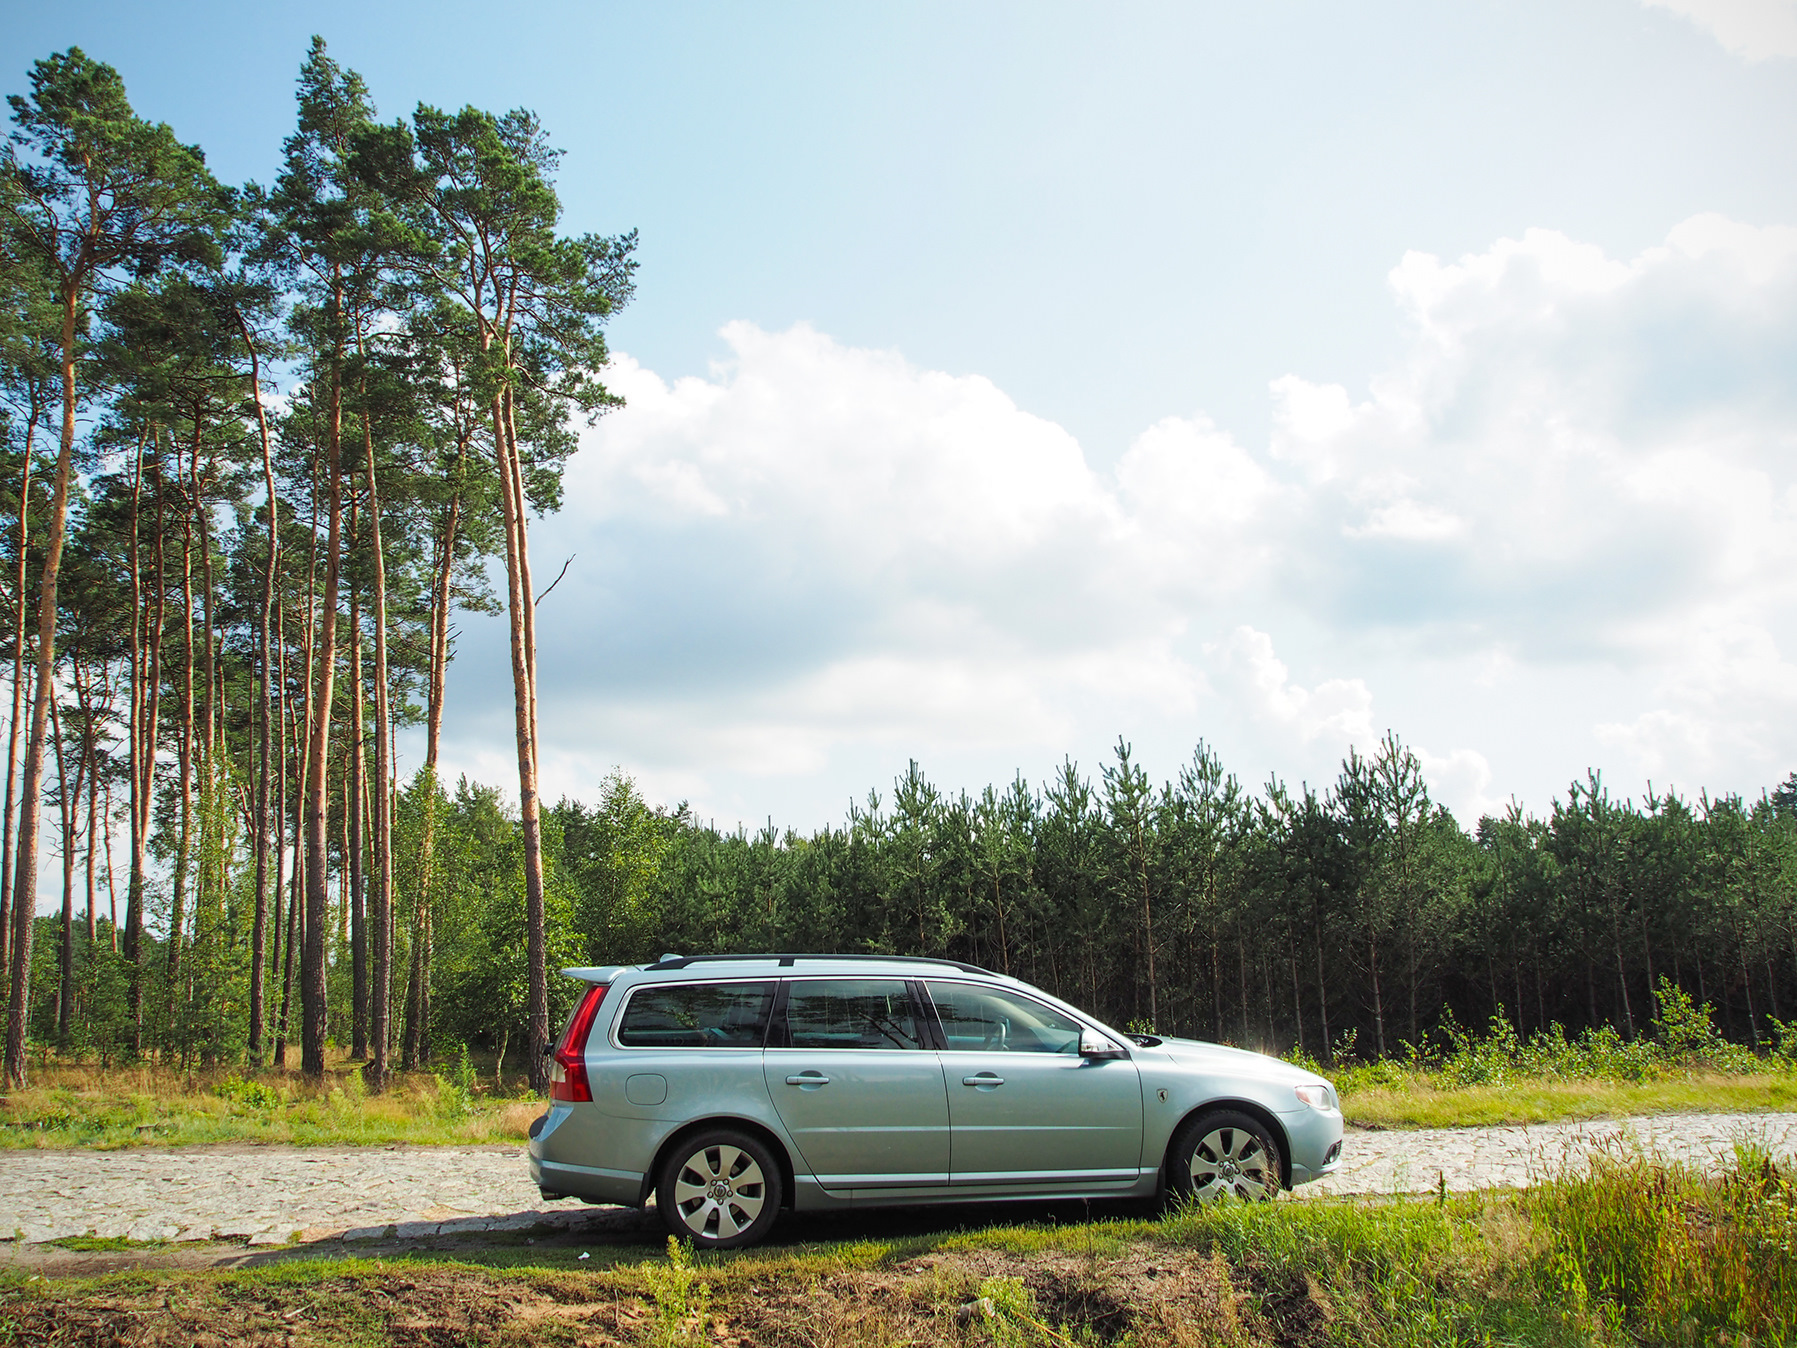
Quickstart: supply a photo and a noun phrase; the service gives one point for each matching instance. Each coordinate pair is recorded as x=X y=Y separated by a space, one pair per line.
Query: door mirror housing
x=1098 y=1047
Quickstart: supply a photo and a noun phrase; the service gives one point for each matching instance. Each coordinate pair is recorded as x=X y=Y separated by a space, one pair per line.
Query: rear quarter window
x=697 y=1015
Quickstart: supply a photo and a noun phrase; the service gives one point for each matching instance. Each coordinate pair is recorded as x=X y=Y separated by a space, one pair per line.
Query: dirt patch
x=1151 y=1294
x=415 y=1307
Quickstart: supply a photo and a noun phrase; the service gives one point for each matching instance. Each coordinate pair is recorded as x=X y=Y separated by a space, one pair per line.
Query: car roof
x=685 y=967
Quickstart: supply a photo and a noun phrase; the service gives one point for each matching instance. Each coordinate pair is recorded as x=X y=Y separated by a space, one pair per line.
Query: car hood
x=1197 y=1055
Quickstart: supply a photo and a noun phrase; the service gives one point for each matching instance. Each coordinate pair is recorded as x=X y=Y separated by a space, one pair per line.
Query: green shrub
x=254 y=1096
x=682 y=1301
x=1683 y=1039
x=455 y=1093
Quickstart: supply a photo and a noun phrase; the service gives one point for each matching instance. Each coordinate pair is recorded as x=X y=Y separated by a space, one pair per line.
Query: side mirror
x=1098 y=1047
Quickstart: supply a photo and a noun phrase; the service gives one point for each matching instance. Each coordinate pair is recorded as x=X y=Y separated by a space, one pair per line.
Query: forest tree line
x=1359 y=919
x=261 y=443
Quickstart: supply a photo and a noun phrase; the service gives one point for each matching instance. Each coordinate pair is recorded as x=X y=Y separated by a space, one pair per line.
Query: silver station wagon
x=732 y=1087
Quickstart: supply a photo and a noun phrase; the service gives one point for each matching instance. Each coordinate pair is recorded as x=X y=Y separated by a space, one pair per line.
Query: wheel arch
x=1258 y=1112
x=760 y=1131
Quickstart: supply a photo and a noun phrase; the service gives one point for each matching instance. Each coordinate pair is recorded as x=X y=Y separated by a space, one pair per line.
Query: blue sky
x=1007 y=378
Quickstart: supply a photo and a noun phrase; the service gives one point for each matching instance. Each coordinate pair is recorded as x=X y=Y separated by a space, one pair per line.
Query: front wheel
x=1225 y=1155
x=720 y=1190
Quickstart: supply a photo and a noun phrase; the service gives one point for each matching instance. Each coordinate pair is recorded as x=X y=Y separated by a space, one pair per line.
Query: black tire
x=1224 y=1155
x=720 y=1189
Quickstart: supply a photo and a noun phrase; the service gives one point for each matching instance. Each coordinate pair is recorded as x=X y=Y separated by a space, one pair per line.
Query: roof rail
x=787 y=961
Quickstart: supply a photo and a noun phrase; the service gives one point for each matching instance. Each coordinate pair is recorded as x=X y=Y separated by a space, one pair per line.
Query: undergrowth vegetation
x=1627 y=1250
x=76 y=1105
x=1463 y=1078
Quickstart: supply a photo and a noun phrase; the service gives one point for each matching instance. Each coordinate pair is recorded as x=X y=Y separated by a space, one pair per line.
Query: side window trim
x=926 y=1014
x=778 y=1036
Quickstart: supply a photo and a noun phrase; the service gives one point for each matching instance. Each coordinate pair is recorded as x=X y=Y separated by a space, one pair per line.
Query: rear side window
x=697 y=1015
x=859 y=1013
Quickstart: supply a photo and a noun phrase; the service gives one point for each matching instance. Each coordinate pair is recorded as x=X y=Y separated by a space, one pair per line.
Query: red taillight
x=568 y=1078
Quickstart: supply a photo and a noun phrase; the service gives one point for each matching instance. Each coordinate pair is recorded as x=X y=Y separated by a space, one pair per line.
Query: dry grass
x=72 y=1104
x=1423 y=1101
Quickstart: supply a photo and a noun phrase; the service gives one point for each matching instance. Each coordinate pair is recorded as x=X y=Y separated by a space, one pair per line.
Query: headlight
x=1317 y=1097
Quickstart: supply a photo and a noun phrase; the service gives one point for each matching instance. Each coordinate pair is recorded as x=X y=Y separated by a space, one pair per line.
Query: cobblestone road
x=264 y=1195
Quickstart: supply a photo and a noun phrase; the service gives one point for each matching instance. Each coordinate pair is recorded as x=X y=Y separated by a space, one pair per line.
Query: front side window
x=860 y=1013
x=697 y=1015
x=994 y=1020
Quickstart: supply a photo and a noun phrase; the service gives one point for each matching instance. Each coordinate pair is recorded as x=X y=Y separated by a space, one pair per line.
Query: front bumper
x=1315 y=1139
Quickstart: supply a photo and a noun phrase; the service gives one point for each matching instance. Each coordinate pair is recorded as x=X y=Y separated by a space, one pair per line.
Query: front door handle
x=808 y=1079
x=983 y=1079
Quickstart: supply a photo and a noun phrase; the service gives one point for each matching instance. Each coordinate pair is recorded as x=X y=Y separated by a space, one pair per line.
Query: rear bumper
x=552 y=1173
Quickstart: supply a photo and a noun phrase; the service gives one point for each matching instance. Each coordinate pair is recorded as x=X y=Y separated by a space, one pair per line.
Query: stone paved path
x=1476 y=1158
x=264 y=1195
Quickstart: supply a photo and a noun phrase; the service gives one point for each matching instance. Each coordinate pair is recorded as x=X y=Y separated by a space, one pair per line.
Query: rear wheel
x=1225 y=1156
x=720 y=1189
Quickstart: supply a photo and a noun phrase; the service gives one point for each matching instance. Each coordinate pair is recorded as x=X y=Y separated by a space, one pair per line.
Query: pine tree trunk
x=65 y=994
x=318 y=895
x=259 y=924
x=112 y=893
x=90 y=772
x=25 y=885
x=137 y=694
x=381 y=797
x=209 y=874
x=417 y=990
x=355 y=811
x=184 y=755
x=18 y=687
x=523 y=632
x=1323 y=995
x=277 y=712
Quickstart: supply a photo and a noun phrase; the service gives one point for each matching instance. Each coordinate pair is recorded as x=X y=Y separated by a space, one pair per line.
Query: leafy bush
x=1684 y=1039
x=255 y=1096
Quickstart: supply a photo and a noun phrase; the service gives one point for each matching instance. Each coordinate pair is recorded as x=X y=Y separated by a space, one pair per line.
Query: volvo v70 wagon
x=732 y=1087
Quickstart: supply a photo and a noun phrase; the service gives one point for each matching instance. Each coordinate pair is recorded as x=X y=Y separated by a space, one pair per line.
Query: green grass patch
x=1424 y=1100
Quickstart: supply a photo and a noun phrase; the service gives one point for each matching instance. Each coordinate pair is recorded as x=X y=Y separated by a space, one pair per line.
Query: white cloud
x=817 y=547
x=1461 y=780
x=1336 y=710
x=1574 y=447
x=1755 y=29
x=1580 y=462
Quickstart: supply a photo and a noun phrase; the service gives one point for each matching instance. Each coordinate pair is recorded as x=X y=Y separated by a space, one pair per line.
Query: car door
x=1025 y=1109
x=852 y=1073
x=689 y=1047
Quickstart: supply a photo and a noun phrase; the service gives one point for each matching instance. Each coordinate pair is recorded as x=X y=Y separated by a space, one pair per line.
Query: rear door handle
x=983 y=1079
x=808 y=1079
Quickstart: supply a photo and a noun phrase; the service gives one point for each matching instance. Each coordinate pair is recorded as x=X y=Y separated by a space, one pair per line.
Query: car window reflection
x=993 y=1021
